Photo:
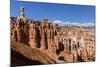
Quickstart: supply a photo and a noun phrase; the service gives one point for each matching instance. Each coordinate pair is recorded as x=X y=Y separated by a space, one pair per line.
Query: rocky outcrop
x=25 y=55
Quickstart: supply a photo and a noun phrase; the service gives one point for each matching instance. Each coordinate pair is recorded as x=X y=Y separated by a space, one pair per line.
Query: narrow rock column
x=14 y=34
x=65 y=45
x=19 y=32
x=48 y=38
x=32 y=34
x=43 y=43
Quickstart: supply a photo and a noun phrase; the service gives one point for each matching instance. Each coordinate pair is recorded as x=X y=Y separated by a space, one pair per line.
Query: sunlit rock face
x=62 y=44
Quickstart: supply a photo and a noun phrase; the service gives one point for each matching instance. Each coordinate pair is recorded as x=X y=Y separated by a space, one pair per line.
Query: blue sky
x=55 y=12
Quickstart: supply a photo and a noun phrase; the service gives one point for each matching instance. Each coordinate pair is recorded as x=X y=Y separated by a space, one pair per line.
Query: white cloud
x=74 y=23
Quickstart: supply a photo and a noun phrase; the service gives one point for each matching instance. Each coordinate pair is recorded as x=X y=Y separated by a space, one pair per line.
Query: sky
x=57 y=13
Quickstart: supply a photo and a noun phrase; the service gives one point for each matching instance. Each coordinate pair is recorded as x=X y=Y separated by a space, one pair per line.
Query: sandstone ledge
x=33 y=55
